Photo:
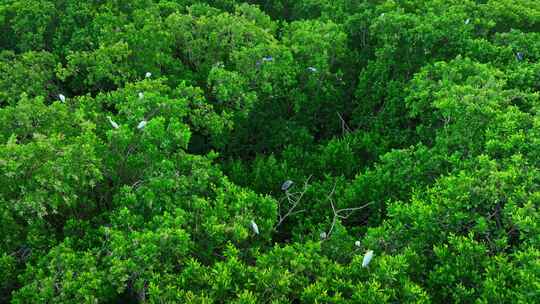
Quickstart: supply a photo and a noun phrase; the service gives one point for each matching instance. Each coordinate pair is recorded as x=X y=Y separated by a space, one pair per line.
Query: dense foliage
x=144 y=144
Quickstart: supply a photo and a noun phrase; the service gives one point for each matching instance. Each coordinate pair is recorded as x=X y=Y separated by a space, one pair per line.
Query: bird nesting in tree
x=113 y=124
x=142 y=124
x=254 y=227
x=367 y=258
x=286 y=185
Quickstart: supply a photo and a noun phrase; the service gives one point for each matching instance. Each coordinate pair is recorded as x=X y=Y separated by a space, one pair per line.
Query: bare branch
x=293 y=199
x=339 y=214
x=329 y=197
x=296 y=212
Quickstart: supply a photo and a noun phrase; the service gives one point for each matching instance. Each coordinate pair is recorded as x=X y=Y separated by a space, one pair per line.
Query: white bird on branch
x=254 y=227
x=367 y=258
x=113 y=124
x=142 y=124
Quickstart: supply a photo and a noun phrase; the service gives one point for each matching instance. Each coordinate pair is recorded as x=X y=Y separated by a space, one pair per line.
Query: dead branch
x=294 y=199
x=341 y=213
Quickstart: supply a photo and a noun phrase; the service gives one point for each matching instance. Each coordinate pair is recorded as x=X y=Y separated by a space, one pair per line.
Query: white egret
x=357 y=244
x=367 y=258
x=254 y=227
x=312 y=69
x=148 y=75
x=62 y=97
x=141 y=95
x=113 y=124
x=323 y=235
x=467 y=21
x=142 y=124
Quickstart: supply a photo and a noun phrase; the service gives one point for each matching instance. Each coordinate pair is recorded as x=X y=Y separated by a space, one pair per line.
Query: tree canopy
x=308 y=151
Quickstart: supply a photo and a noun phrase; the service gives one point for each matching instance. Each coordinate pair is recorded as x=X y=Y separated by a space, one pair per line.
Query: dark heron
x=286 y=185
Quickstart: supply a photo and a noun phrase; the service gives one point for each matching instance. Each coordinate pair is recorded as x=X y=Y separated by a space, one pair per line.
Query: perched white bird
x=312 y=69
x=254 y=227
x=62 y=97
x=357 y=244
x=148 y=75
x=142 y=124
x=367 y=258
x=467 y=21
x=323 y=235
x=141 y=95
x=113 y=124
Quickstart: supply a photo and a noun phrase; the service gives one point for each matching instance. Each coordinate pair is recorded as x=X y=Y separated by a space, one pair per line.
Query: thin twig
x=344 y=127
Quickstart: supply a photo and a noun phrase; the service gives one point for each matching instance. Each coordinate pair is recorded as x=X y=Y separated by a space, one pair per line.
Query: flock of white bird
x=115 y=125
x=140 y=126
x=367 y=256
x=285 y=186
